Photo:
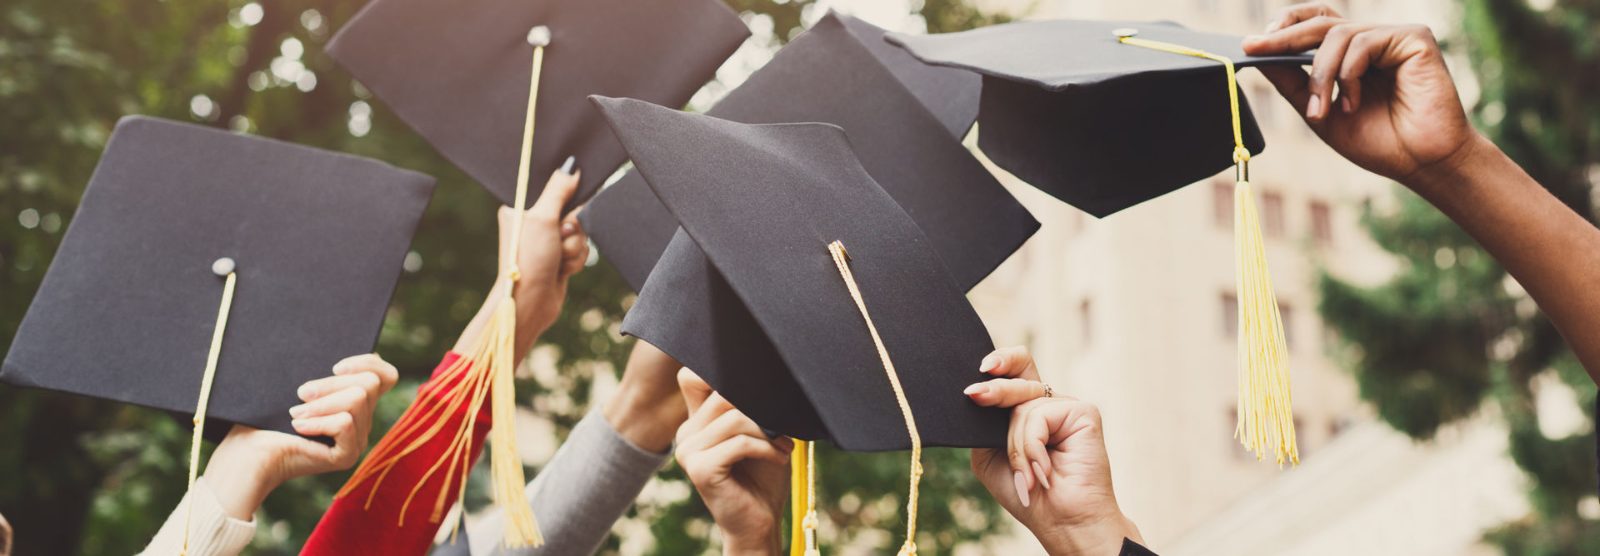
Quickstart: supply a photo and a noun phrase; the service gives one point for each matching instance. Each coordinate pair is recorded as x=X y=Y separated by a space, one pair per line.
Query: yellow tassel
x=803 y=500
x=1266 y=418
x=484 y=373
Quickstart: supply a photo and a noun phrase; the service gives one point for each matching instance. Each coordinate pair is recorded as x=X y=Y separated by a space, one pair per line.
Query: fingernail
x=1022 y=487
x=298 y=423
x=567 y=228
x=976 y=389
x=297 y=411
x=305 y=392
x=1314 y=108
x=566 y=167
x=784 y=445
x=1344 y=102
x=989 y=364
x=1044 y=479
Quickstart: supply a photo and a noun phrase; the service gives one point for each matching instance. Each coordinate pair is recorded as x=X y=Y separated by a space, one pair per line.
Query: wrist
x=754 y=543
x=1098 y=537
x=1443 y=180
x=645 y=416
x=240 y=481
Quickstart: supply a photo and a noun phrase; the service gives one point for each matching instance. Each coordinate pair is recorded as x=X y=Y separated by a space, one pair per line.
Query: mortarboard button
x=222 y=267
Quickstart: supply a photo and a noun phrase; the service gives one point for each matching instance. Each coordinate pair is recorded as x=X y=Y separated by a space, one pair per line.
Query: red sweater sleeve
x=352 y=528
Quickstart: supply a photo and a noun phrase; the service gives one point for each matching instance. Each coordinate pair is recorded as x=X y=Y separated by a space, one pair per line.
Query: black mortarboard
x=789 y=346
x=893 y=108
x=1099 y=124
x=127 y=310
x=458 y=73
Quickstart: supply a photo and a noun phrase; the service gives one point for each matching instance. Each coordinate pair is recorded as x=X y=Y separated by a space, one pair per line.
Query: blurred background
x=1439 y=412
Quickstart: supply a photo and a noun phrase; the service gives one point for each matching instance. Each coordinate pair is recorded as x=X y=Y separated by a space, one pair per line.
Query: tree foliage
x=1451 y=331
x=83 y=476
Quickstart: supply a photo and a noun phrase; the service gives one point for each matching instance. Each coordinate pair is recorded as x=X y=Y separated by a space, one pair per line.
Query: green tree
x=82 y=476
x=1451 y=331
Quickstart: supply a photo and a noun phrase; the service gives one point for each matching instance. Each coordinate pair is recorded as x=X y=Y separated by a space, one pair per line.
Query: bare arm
x=647 y=408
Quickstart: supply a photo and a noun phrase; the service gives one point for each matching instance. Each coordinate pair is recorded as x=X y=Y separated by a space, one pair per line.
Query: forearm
x=647 y=407
x=589 y=484
x=1552 y=251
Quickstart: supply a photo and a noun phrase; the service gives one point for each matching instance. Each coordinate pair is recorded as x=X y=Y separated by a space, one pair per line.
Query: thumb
x=560 y=189
x=695 y=390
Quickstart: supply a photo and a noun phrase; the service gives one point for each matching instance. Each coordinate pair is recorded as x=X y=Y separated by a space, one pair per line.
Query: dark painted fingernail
x=571 y=162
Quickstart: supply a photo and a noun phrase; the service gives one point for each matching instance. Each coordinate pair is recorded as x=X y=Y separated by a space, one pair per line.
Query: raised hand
x=1054 y=475
x=1396 y=111
x=741 y=475
x=250 y=463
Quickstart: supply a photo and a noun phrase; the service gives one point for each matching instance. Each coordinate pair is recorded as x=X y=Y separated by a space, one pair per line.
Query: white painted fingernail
x=989 y=364
x=1021 y=483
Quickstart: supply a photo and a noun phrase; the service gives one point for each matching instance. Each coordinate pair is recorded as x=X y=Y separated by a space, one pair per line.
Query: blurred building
x=1136 y=312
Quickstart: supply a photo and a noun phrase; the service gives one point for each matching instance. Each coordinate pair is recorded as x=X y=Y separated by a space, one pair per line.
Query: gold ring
x=1048 y=391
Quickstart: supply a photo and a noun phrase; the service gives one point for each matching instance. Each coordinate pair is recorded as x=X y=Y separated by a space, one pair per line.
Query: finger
x=387 y=374
x=1325 y=69
x=346 y=449
x=351 y=398
x=1021 y=474
x=1035 y=435
x=713 y=407
x=323 y=387
x=724 y=455
x=1013 y=361
x=556 y=193
x=729 y=424
x=1299 y=37
x=695 y=391
x=1292 y=83
x=1365 y=47
x=575 y=263
x=1298 y=13
x=1005 y=392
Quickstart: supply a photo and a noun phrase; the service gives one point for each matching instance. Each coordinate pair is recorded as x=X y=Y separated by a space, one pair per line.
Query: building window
x=1321 y=223
x=1230 y=316
x=1272 y=224
x=1085 y=322
x=1222 y=204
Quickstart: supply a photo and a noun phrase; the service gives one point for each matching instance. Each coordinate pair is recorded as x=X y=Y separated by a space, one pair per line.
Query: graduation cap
x=905 y=118
x=1108 y=114
x=207 y=265
x=458 y=73
x=871 y=332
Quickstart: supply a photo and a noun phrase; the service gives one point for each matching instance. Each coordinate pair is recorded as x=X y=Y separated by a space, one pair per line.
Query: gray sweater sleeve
x=593 y=478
